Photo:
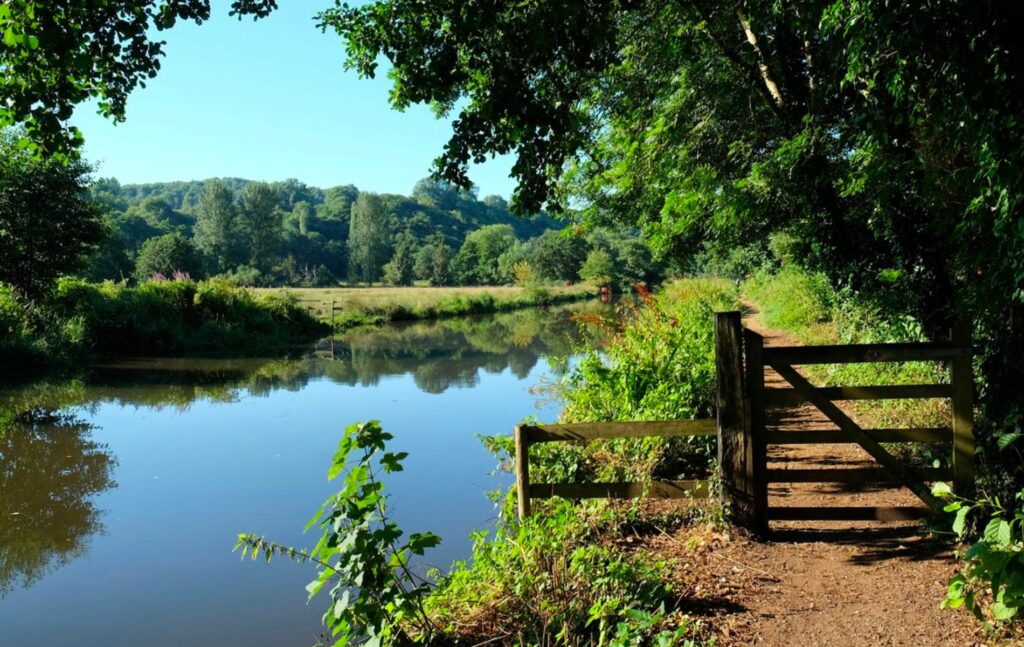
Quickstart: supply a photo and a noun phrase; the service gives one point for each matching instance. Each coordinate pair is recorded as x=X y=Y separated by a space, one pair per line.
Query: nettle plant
x=362 y=558
x=995 y=562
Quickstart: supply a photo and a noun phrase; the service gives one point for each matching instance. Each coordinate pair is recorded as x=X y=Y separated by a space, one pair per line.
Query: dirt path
x=827 y=583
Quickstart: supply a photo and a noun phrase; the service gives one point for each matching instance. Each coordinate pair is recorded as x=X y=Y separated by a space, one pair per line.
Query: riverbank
x=166 y=318
x=350 y=307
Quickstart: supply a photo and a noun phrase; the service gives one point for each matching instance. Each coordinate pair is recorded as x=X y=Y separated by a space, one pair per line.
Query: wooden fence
x=527 y=435
x=743 y=434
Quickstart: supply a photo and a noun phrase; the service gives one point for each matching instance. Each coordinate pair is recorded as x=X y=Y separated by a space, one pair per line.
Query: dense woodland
x=289 y=233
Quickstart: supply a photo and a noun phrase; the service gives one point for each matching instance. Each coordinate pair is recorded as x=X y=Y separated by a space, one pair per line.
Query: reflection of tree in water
x=438 y=355
x=49 y=469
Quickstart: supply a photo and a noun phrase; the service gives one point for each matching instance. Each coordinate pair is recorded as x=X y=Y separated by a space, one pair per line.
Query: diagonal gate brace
x=904 y=474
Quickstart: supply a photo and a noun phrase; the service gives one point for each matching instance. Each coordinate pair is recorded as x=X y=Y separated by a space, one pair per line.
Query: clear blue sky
x=269 y=100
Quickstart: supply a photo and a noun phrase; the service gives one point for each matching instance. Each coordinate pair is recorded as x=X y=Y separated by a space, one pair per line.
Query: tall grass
x=803 y=305
x=155 y=318
x=659 y=366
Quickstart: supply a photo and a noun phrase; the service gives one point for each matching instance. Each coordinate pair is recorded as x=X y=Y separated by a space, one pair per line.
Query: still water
x=123 y=489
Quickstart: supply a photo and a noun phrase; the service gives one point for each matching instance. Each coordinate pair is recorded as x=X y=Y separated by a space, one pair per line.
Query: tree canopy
x=47 y=224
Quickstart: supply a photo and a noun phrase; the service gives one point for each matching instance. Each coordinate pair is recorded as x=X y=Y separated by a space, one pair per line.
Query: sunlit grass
x=368 y=305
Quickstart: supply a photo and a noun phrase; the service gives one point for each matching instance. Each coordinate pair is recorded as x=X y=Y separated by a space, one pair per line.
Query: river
x=124 y=486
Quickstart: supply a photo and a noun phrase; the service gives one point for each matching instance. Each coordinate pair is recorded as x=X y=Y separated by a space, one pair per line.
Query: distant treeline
x=290 y=233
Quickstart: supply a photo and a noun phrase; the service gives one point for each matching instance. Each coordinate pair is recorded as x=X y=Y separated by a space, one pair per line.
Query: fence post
x=962 y=377
x=757 y=466
x=522 y=471
x=733 y=439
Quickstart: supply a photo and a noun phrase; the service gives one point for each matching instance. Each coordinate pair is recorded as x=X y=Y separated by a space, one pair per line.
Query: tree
x=477 y=260
x=441 y=270
x=165 y=255
x=47 y=225
x=217 y=232
x=57 y=55
x=599 y=268
x=399 y=270
x=261 y=221
x=369 y=238
x=558 y=255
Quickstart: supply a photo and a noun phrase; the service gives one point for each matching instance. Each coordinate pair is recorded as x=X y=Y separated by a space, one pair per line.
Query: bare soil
x=821 y=583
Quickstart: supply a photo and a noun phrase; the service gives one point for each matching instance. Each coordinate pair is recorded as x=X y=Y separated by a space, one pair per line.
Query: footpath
x=822 y=584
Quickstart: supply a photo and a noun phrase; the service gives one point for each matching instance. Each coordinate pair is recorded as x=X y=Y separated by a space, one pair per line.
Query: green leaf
x=1002 y=612
x=1006 y=440
x=942 y=490
x=961 y=520
x=997 y=532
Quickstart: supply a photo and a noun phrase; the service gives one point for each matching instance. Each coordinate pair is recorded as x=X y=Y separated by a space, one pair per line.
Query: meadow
x=354 y=306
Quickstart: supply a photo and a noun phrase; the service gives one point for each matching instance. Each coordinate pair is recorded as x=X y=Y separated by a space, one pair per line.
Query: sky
x=270 y=100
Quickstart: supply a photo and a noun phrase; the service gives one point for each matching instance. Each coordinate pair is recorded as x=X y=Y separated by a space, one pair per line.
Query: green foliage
x=992 y=576
x=557 y=578
x=599 y=268
x=363 y=561
x=216 y=235
x=477 y=259
x=792 y=299
x=369 y=238
x=558 y=255
x=261 y=222
x=102 y=52
x=660 y=366
x=400 y=269
x=165 y=255
x=47 y=228
x=162 y=317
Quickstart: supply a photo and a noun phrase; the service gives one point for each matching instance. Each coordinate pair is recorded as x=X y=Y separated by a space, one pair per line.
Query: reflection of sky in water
x=248 y=451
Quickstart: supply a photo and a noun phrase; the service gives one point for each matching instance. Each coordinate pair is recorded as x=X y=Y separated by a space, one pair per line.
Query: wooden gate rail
x=526 y=435
x=783 y=359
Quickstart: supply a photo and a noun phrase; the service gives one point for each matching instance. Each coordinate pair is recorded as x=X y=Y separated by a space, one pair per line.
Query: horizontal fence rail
x=785 y=396
x=865 y=353
x=838 y=436
x=526 y=435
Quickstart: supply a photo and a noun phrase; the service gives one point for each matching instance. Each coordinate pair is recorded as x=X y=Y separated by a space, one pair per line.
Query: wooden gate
x=744 y=434
x=744 y=438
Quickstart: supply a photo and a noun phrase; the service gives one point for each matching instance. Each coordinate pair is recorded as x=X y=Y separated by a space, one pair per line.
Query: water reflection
x=210 y=447
x=49 y=470
x=438 y=355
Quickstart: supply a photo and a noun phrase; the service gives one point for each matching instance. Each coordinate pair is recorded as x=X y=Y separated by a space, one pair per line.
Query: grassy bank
x=81 y=319
x=567 y=570
x=358 y=306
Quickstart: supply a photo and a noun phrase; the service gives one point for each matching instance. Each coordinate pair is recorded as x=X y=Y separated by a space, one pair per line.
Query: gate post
x=757 y=466
x=733 y=439
x=962 y=378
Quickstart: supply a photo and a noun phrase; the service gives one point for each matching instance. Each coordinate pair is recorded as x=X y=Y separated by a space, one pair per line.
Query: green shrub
x=991 y=578
x=557 y=579
x=18 y=344
x=660 y=366
x=158 y=317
